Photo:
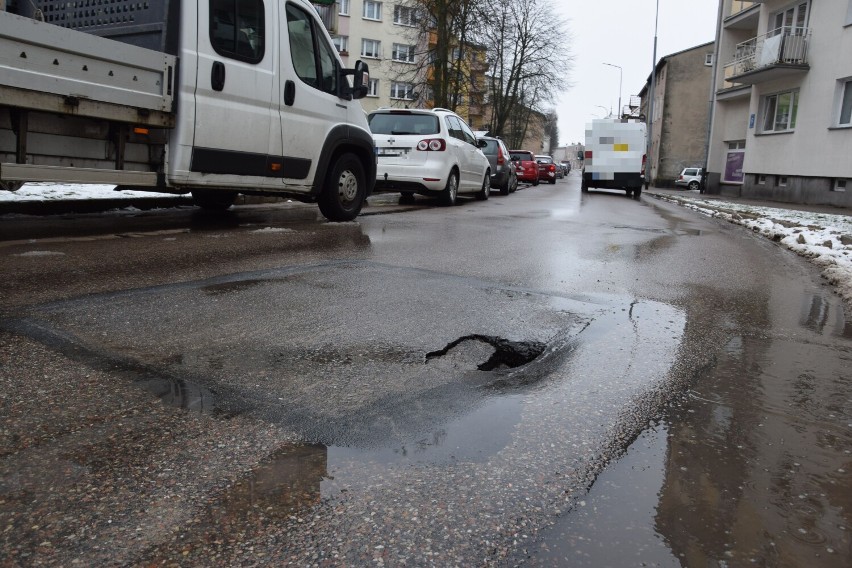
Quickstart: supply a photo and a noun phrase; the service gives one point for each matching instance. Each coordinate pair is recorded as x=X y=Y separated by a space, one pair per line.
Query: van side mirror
x=360 y=79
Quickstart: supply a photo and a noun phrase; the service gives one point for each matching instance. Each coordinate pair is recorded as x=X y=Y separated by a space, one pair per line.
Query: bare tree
x=442 y=31
x=529 y=61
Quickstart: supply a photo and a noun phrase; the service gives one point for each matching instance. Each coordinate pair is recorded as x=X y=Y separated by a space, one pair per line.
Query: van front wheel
x=344 y=189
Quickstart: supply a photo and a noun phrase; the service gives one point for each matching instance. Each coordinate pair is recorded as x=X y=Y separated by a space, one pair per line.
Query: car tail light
x=432 y=144
x=501 y=159
x=679 y=178
x=589 y=154
x=551 y=167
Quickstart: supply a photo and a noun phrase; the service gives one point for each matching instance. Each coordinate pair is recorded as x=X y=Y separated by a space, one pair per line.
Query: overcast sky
x=621 y=32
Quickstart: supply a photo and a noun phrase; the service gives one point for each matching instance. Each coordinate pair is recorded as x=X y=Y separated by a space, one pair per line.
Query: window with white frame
x=708 y=59
x=344 y=7
x=781 y=181
x=372 y=10
x=761 y=179
x=404 y=15
x=844 y=116
x=371 y=48
x=402 y=91
x=373 y=90
x=839 y=185
x=404 y=53
x=779 y=111
x=341 y=43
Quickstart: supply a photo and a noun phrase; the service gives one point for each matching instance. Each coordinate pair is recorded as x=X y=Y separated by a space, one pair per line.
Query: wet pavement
x=548 y=378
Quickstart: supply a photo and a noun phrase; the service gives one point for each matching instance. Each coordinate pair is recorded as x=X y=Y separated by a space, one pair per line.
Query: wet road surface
x=425 y=386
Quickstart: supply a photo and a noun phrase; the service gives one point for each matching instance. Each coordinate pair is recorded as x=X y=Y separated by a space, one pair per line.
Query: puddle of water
x=613 y=525
x=473 y=437
x=182 y=394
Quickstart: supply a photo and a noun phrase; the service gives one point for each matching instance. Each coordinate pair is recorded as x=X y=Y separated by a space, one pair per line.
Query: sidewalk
x=752 y=202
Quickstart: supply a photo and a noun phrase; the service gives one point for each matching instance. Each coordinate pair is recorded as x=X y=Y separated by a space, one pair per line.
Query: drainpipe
x=711 y=104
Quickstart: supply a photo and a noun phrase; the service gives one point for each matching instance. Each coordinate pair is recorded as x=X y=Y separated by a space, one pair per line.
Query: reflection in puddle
x=474 y=437
x=614 y=524
x=286 y=482
x=181 y=394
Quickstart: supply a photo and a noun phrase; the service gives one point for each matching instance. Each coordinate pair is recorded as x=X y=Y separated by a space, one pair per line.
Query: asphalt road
x=424 y=386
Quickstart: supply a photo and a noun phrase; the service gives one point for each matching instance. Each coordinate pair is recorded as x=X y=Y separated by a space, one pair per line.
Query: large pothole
x=489 y=353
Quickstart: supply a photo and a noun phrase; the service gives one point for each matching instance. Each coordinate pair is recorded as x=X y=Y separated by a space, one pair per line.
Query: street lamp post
x=649 y=152
x=620 y=76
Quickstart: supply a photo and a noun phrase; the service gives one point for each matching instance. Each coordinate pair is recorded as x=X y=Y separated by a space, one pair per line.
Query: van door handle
x=289 y=93
x=217 y=76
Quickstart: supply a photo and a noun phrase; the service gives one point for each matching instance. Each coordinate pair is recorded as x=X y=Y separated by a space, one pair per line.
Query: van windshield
x=403 y=123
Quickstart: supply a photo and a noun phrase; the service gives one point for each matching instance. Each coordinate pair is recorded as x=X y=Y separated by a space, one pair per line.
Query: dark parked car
x=503 y=173
x=526 y=167
x=546 y=168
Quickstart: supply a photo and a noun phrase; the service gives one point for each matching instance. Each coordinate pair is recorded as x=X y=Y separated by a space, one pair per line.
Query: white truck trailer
x=614 y=157
x=209 y=97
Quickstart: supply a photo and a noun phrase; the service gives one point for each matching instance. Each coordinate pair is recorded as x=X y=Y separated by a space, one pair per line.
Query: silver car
x=690 y=178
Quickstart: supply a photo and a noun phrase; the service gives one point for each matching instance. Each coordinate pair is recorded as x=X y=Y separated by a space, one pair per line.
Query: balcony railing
x=328 y=11
x=785 y=46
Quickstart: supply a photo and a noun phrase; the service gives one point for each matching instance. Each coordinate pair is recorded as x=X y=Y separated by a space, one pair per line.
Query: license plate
x=392 y=152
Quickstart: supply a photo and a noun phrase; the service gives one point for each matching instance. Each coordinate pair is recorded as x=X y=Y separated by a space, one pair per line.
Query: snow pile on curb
x=824 y=239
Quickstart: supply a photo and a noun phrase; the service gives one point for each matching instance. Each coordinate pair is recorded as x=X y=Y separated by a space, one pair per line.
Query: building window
x=761 y=179
x=344 y=7
x=839 y=185
x=404 y=15
x=404 y=53
x=779 y=111
x=402 y=91
x=708 y=59
x=845 y=114
x=372 y=10
x=371 y=48
x=781 y=181
x=341 y=43
x=373 y=90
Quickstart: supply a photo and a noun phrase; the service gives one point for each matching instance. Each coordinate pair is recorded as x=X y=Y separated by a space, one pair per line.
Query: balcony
x=327 y=10
x=775 y=54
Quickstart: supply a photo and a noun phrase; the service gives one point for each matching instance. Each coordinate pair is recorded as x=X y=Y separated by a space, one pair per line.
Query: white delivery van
x=209 y=97
x=615 y=155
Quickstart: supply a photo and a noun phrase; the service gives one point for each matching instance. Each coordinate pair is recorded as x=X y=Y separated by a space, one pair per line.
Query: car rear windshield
x=522 y=156
x=490 y=147
x=404 y=123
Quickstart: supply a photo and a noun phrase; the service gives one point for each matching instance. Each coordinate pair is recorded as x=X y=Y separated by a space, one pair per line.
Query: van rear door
x=234 y=89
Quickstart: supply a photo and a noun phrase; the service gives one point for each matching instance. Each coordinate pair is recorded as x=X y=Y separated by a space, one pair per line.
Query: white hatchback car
x=430 y=152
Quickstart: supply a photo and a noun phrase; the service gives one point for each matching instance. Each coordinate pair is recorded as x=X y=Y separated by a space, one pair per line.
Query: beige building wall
x=681 y=113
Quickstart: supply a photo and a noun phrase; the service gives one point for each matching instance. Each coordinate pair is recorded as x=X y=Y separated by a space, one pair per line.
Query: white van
x=212 y=97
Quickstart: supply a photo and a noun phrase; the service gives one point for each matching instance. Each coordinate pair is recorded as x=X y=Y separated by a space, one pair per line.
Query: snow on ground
x=69 y=191
x=824 y=239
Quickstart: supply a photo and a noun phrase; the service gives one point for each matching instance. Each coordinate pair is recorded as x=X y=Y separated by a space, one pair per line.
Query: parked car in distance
x=546 y=168
x=690 y=178
x=566 y=167
x=430 y=152
x=526 y=167
x=503 y=173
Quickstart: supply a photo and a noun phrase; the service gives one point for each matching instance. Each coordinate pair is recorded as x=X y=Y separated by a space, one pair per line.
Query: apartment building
x=681 y=112
x=782 y=116
x=390 y=38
